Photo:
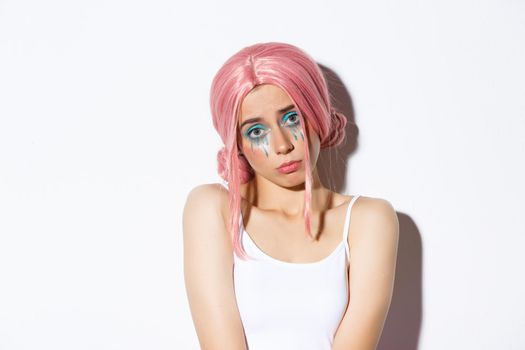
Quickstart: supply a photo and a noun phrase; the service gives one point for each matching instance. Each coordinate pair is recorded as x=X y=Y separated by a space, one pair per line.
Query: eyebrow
x=258 y=119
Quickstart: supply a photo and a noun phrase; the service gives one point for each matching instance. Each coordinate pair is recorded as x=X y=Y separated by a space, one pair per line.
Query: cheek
x=256 y=149
x=296 y=133
x=256 y=158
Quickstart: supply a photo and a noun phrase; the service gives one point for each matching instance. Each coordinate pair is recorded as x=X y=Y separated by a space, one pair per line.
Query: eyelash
x=289 y=114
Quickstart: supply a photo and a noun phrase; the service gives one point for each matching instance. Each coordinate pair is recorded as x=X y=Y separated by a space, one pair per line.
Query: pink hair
x=294 y=71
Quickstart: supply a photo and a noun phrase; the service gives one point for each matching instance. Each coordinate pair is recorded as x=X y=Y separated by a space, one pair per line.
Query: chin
x=295 y=179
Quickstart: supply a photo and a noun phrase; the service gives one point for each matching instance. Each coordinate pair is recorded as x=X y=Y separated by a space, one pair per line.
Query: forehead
x=263 y=100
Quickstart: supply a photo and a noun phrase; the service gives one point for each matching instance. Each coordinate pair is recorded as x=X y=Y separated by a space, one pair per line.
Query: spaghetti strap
x=347 y=224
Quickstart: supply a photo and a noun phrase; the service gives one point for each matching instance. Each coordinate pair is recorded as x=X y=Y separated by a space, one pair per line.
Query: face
x=270 y=134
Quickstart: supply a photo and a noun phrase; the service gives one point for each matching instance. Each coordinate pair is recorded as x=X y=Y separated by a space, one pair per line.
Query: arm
x=208 y=274
x=373 y=257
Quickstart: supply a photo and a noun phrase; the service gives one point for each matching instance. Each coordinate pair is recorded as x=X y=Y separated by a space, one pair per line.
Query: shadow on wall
x=332 y=162
x=403 y=324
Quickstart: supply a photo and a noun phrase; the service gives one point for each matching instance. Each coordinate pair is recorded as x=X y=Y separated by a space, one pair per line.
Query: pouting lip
x=288 y=163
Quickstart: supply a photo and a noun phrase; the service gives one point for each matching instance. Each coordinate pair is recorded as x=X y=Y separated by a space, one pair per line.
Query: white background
x=105 y=128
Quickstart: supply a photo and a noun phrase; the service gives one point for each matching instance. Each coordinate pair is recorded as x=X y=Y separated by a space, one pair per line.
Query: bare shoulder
x=208 y=263
x=203 y=219
x=373 y=216
x=213 y=193
x=375 y=207
x=374 y=229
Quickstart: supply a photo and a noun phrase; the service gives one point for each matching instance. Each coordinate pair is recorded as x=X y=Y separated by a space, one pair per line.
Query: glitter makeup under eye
x=260 y=141
x=295 y=127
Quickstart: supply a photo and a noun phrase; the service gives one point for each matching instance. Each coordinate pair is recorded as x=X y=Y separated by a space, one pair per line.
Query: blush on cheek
x=256 y=157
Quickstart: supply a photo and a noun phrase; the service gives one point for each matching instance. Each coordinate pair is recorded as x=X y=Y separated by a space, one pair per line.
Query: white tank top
x=291 y=306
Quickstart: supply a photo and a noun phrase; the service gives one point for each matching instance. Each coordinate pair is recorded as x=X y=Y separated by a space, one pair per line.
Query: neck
x=289 y=201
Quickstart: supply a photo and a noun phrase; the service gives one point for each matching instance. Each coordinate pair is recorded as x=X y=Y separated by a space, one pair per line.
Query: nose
x=282 y=141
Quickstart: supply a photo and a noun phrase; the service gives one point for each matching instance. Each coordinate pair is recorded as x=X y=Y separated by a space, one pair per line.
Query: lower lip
x=290 y=168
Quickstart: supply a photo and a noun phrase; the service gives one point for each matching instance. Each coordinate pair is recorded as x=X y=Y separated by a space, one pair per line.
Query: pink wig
x=294 y=71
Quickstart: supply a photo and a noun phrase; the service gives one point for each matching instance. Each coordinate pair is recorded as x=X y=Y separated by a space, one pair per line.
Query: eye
x=255 y=132
x=292 y=117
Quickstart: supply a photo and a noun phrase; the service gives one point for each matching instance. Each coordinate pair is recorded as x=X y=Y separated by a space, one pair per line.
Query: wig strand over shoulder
x=294 y=71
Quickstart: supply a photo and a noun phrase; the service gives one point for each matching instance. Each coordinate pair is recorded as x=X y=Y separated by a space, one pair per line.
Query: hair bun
x=337 y=129
x=246 y=171
x=221 y=164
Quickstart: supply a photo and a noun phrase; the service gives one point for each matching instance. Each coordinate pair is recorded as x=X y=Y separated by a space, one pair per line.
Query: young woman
x=271 y=257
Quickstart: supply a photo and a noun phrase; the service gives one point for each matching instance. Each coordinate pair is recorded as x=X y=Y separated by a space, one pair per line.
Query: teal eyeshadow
x=253 y=127
x=287 y=115
x=257 y=126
